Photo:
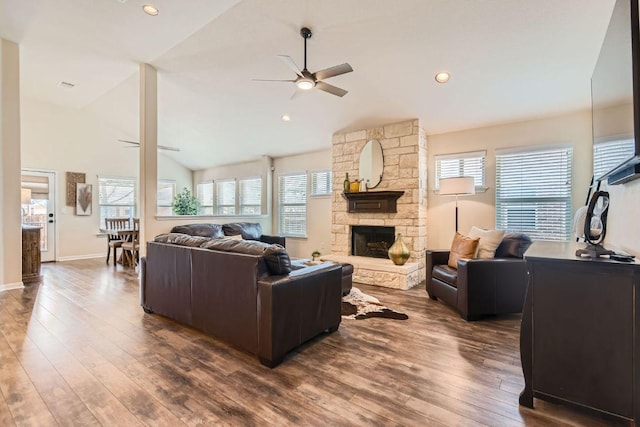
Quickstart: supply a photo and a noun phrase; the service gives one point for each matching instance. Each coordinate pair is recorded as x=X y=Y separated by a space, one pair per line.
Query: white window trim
x=310 y=181
x=306 y=204
x=135 y=195
x=459 y=156
x=533 y=150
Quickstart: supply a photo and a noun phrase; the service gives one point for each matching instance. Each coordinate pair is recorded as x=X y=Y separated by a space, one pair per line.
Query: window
x=321 y=183
x=292 y=200
x=250 y=196
x=609 y=154
x=533 y=192
x=226 y=197
x=166 y=193
x=461 y=164
x=116 y=197
x=204 y=194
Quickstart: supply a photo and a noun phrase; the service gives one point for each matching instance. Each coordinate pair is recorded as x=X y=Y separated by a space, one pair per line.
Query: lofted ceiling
x=509 y=60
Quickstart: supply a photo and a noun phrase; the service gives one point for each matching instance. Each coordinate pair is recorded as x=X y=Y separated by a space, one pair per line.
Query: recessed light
x=150 y=10
x=286 y=117
x=442 y=77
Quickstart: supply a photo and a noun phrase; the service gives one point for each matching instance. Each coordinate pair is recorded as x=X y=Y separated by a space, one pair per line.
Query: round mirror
x=371 y=164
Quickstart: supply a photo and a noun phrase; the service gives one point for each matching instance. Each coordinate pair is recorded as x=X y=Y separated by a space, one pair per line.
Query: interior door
x=38 y=208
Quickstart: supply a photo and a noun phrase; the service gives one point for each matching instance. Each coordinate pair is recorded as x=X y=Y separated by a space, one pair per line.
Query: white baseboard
x=9 y=286
x=77 y=257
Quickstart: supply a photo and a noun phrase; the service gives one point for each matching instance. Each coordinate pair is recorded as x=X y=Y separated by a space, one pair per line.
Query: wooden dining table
x=127 y=235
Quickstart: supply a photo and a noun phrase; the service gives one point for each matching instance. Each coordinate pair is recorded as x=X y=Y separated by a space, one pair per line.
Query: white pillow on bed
x=489 y=241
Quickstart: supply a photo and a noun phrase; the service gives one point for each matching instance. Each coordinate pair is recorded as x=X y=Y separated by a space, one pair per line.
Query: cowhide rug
x=358 y=305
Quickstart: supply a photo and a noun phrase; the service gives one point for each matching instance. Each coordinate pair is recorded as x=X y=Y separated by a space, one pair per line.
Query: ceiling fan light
x=305 y=84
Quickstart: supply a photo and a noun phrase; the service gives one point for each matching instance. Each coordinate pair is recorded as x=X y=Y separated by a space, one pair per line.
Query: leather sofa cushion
x=446 y=274
x=181 y=239
x=513 y=246
x=248 y=230
x=275 y=256
x=204 y=230
x=463 y=247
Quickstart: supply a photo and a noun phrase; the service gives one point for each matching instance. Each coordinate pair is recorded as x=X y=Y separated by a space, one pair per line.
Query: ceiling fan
x=307 y=80
x=160 y=147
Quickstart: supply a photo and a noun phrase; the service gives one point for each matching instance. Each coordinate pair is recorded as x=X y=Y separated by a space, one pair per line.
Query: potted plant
x=184 y=203
x=315 y=255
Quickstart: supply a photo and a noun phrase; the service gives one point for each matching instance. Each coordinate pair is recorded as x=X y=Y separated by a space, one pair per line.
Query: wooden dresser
x=30 y=254
x=580 y=340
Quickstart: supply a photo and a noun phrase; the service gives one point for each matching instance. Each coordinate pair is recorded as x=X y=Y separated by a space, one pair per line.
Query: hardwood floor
x=78 y=350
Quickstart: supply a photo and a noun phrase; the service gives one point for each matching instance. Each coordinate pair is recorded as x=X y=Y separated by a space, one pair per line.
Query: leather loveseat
x=481 y=287
x=246 y=293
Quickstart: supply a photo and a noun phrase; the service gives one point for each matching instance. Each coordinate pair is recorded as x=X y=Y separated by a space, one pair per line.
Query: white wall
x=479 y=210
x=318 y=208
x=60 y=139
x=623 y=220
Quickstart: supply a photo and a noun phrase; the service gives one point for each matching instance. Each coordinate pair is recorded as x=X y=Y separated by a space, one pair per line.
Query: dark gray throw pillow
x=204 y=230
x=248 y=230
x=513 y=245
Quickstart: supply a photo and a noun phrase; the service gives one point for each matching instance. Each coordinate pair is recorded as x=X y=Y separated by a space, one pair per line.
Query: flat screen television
x=615 y=98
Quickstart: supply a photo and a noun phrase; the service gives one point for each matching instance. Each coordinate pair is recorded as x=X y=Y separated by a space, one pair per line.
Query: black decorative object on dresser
x=578 y=340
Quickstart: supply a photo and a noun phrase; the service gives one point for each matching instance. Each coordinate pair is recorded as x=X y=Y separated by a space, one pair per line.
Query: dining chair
x=132 y=245
x=114 y=240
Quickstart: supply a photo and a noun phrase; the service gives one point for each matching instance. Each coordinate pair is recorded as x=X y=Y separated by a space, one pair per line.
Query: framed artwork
x=73 y=178
x=84 y=197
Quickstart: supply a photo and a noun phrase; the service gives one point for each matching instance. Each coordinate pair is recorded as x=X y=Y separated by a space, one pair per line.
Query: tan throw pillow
x=489 y=241
x=462 y=248
x=236 y=236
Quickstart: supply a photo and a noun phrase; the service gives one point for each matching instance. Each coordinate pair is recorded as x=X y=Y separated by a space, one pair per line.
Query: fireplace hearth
x=371 y=241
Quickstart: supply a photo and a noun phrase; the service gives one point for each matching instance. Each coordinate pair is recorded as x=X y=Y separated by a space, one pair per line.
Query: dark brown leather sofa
x=227 y=288
x=481 y=287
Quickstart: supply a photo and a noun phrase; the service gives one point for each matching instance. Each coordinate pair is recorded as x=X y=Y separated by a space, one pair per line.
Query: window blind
x=226 y=197
x=292 y=192
x=165 y=195
x=321 y=183
x=116 y=197
x=204 y=191
x=250 y=196
x=461 y=164
x=609 y=154
x=533 y=193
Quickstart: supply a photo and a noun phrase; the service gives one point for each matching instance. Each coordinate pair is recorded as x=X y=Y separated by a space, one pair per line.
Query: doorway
x=38 y=208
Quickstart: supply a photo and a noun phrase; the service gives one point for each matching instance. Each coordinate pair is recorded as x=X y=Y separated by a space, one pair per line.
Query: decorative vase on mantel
x=399 y=252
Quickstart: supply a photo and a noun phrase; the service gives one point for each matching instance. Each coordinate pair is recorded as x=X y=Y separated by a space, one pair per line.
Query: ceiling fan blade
x=333 y=71
x=334 y=90
x=289 y=62
x=273 y=80
x=161 y=147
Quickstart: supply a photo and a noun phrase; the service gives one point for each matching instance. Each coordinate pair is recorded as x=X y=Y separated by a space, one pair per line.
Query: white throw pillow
x=489 y=241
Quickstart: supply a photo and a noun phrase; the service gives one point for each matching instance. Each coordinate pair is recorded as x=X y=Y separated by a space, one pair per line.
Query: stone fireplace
x=405 y=169
x=371 y=240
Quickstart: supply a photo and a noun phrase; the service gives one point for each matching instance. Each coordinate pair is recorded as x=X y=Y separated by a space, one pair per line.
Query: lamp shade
x=457 y=186
x=25 y=196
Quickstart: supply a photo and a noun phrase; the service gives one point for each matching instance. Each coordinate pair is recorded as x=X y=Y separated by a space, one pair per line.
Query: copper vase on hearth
x=399 y=252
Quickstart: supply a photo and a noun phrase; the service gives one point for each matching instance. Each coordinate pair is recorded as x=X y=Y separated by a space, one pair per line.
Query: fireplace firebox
x=371 y=241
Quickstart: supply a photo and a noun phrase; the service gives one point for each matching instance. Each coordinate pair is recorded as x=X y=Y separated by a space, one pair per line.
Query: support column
x=10 y=220
x=148 y=154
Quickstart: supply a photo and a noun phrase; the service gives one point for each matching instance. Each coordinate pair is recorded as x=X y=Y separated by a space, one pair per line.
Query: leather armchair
x=479 y=287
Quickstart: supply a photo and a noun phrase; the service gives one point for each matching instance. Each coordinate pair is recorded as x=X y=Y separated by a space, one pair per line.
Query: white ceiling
x=509 y=60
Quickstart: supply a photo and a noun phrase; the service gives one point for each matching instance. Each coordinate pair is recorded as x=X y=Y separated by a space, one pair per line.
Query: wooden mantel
x=372 y=201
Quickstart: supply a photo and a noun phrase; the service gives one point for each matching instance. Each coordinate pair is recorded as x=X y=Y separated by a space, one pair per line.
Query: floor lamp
x=457 y=186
